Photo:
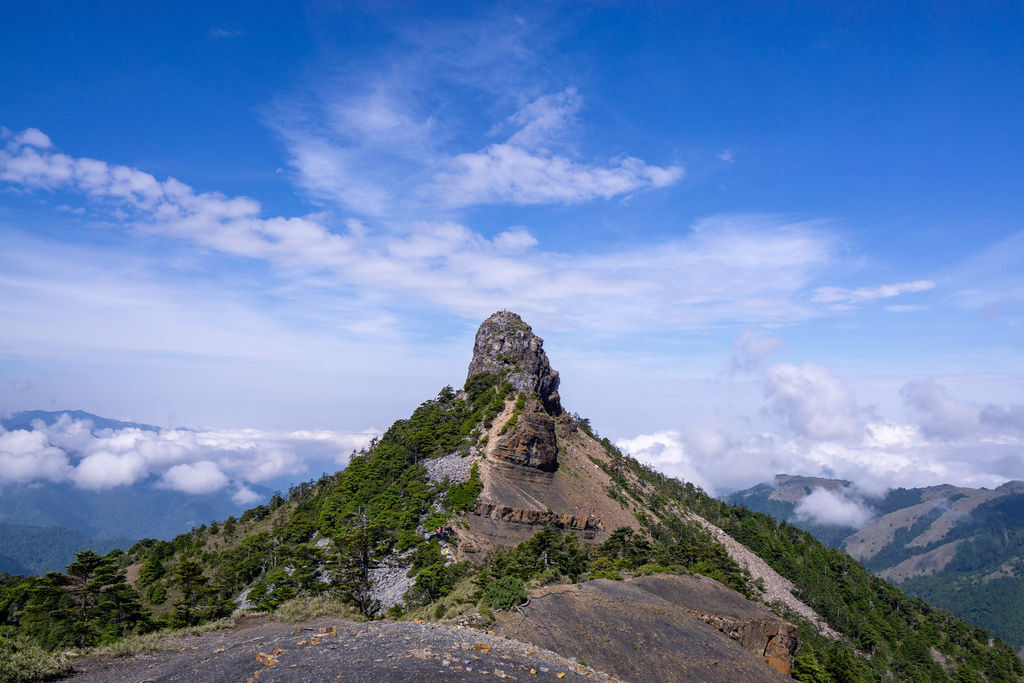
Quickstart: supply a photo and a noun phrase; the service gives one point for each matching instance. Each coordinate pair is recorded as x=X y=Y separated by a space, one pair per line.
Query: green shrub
x=612 y=574
x=504 y=593
x=462 y=497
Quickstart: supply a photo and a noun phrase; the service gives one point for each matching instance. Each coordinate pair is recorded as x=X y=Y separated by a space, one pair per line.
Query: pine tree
x=806 y=667
x=193 y=584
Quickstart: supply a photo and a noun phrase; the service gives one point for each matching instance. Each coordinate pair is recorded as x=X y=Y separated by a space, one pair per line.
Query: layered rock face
x=537 y=468
x=504 y=343
x=531 y=442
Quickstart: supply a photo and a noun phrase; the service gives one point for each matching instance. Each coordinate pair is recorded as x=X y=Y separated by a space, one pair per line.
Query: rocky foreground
x=336 y=649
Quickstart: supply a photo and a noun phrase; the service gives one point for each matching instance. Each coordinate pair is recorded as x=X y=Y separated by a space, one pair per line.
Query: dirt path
x=336 y=649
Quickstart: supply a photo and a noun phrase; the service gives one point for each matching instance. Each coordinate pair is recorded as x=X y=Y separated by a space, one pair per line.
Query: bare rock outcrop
x=504 y=513
x=504 y=343
x=531 y=442
x=662 y=627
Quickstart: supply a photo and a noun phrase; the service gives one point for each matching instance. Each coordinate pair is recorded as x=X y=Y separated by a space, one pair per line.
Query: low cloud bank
x=812 y=424
x=833 y=508
x=195 y=462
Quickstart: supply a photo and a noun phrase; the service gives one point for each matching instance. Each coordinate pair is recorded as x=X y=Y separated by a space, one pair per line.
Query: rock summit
x=504 y=343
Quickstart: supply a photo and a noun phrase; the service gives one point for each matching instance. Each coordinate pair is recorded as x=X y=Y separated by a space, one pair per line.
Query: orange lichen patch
x=219 y=649
x=302 y=642
x=481 y=646
x=265 y=659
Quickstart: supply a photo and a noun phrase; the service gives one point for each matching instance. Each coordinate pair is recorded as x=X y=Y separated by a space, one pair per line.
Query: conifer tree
x=193 y=584
x=806 y=667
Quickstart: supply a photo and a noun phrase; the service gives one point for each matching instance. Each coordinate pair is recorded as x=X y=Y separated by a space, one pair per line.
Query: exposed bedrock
x=506 y=513
x=531 y=442
x=660 y=628
x=504 y=343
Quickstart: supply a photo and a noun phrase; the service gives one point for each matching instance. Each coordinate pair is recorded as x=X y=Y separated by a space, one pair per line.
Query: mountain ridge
x=947 y=543
x=490 y=494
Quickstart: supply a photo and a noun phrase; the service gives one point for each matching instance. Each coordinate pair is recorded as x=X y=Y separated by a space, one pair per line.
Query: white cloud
x=940 y=415
x=102 y=469
x=245 y=496
x=514 y=240
x=666 y=452
x=833 y=508
x=816 y=404
x=506 y=173
x=381 y=145
x=841 y=296
x=943 y=417
x=28 y=456
x=949 y=441
x=189 y=461
x=544 y=119
x=752 y=268
x=525 y=170
x=33 y=137
x=200 y=477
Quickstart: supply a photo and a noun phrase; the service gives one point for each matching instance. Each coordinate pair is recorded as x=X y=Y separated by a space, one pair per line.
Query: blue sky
x=755 y=239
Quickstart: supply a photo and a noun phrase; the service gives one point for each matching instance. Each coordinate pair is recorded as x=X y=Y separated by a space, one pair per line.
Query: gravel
x=388 y=583
x=453 y=467
x=777 y=587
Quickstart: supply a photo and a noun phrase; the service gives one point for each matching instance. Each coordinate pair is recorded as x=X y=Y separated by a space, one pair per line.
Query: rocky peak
x=504 y=343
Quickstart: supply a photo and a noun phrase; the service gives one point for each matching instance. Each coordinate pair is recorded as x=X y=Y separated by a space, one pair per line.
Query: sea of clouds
x=196 y=462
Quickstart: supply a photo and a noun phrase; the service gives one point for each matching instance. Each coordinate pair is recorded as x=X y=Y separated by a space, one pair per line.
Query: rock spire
x=504 y=343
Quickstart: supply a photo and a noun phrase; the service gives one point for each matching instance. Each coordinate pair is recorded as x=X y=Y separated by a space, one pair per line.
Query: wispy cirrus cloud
x=372 y=155
x=402 y=135
x=527 y=169
x=729 y=268
x=861 y=295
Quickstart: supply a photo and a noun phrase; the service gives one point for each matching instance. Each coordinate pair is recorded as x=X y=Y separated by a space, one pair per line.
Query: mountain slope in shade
x=960 y=548
x=37 y=550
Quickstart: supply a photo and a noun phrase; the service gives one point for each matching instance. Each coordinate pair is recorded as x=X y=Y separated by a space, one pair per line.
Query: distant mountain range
x=42 y=524
x=959 y=548
x=40 y=549
x=25 y=418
